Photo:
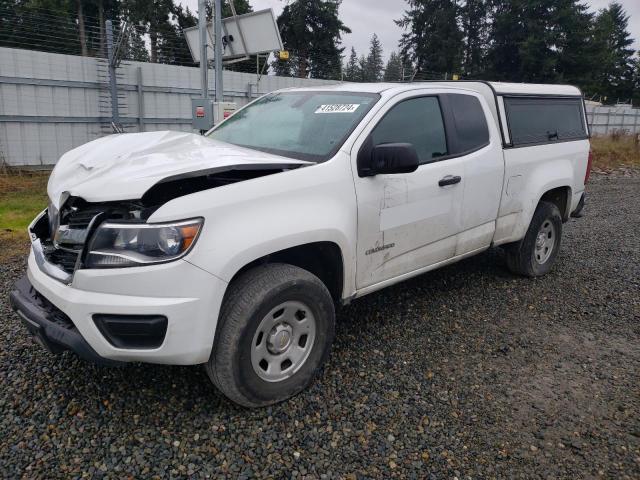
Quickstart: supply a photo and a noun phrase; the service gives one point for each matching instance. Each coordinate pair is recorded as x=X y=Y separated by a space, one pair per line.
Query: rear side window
x=469 y=121
x=544 y=120
x=417 y=121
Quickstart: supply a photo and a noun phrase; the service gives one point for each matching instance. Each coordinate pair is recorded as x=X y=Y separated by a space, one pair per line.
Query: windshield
x=301 y=125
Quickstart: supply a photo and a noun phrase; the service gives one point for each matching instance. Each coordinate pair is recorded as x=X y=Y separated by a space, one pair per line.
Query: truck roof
x=489 y=90
x=500 y=88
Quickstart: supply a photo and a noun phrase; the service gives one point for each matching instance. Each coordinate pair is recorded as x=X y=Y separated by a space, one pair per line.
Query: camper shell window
x=542 y=120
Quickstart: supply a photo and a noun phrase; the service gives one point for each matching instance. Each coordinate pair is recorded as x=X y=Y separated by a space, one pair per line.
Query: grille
x=62 y=258
x=75 y=218
x=81 y=218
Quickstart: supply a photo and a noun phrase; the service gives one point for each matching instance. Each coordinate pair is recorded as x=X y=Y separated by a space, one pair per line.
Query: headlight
x=137 y=244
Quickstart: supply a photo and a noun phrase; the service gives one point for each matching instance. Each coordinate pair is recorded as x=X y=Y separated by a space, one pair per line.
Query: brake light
x=589 y=162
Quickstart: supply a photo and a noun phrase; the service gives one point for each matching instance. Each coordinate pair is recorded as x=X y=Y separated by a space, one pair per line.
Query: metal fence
x=605 y=120
x=50 y=103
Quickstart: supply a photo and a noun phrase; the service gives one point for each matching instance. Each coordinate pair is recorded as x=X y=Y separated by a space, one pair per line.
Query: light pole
x=217 y=45
x=202 y=25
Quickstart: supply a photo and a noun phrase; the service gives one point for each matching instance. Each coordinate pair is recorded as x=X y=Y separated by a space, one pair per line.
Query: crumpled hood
x=124 y=167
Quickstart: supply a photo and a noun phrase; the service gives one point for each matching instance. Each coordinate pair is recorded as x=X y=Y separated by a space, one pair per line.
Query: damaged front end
x=114 y=234
x=59 y=237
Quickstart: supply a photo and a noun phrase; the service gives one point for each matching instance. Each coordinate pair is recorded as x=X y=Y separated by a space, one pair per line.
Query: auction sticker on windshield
x=338 y=108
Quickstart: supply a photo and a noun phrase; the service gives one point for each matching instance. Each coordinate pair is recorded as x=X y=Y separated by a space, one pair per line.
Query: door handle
x=450 y=180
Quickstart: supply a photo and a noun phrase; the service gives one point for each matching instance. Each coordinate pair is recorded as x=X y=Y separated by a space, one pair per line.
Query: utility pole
x=217 y=44
x=202 y=25
x=207 y=113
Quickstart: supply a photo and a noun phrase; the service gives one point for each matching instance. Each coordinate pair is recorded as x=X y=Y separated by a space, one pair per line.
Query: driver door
x=408 y=221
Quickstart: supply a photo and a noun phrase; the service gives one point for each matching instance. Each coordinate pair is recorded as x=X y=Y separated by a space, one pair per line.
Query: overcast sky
x=364 y=17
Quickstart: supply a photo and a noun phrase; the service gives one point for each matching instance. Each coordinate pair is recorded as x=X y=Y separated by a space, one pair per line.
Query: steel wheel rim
x=545 y=242
x=283 y=341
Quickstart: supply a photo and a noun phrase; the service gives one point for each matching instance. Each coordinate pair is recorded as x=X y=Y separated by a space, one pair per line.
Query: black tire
x=521 y=256
x=252 y=296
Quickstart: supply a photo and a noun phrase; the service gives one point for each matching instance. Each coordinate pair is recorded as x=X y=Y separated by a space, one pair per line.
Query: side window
x=417 y=121
x=469 y=121
x=544 y=120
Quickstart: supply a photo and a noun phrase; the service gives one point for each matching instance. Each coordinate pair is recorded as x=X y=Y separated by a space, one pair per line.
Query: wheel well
x=560 y=197
x=323 y=259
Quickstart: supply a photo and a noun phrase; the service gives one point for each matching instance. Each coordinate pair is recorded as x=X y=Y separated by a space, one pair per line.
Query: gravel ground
x=466 y=372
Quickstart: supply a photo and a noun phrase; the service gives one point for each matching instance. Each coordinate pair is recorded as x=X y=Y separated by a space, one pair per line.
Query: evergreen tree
x=636 y=83
x=311 y=30
x=542 y=41
x=241 y=6
x=136 y=49
x=154 y=17
x=515 y=40
x=173 y=48
x=522 y=41
x=393 y=71
x=375 y=63
x=47 y=25
x=74 y=27
x=574 y=46
x=352 y=68
x=433 y=40
x=558 y=41
x=506 y=35
x=363 y=68
x=615 y=78
x=537 y=51
x=475 y=25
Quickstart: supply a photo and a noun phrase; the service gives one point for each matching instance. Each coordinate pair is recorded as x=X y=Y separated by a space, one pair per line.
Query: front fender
x=243 y=256
x=249 y=220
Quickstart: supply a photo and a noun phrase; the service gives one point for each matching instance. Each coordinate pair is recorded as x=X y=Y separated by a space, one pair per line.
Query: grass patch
x=22 y=197
x=615 y=151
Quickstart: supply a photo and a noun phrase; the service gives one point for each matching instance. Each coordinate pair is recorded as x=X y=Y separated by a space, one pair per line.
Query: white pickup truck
x=232 y=249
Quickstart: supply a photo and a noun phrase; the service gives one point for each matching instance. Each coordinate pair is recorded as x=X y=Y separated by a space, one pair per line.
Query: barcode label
x=338 y=108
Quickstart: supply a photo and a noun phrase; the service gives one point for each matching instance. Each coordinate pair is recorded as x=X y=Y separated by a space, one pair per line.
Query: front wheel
x=536 y=253
x=277 y=326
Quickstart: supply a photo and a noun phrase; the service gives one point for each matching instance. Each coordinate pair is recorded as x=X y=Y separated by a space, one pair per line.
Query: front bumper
x=186 y=295
x=50 y=327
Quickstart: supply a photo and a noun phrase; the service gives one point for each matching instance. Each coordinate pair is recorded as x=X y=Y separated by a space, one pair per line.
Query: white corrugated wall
x=51 y=103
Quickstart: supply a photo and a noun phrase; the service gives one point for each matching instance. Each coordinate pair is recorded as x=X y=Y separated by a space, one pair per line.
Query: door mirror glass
x=391 y=158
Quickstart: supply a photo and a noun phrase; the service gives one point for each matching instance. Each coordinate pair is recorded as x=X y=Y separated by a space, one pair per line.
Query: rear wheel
x=536 y=253
x=276 y=330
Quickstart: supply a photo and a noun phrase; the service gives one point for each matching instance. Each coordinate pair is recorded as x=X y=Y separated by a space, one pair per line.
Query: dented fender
x=530 y=172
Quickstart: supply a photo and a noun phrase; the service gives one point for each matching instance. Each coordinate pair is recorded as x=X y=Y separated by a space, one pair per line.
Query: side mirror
x=388 y=158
